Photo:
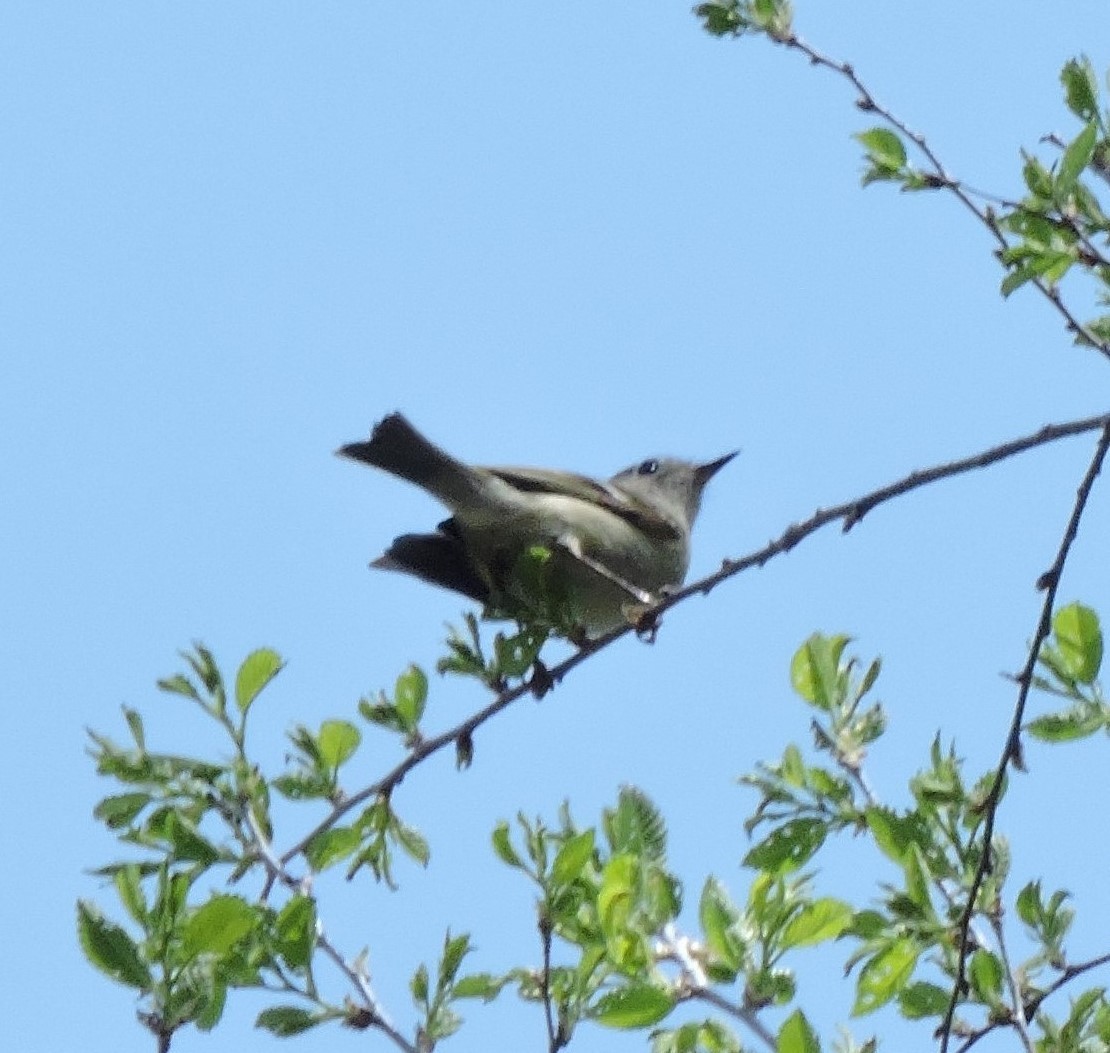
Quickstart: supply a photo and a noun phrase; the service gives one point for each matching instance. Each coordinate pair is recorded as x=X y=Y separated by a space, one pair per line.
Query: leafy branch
x=1040 y=238
x=1012 y=749
x=228 y=941
x=535 y=679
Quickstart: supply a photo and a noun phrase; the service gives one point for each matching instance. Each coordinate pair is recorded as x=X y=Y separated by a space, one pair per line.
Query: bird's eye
x=648 y=468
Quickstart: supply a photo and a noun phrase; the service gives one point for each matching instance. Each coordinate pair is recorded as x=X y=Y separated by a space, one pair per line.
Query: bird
x=579 y=555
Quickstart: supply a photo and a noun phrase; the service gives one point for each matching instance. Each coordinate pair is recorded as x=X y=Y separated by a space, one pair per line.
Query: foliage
x=617 y=943
x=612 y=950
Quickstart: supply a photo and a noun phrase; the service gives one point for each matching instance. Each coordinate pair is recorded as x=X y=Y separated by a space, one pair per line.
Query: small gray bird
x=540 y=545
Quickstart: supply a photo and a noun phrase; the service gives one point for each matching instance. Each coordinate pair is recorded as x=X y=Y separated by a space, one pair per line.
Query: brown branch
x=555 y=1038
x=850 y=512
x=371 y=1011
x=940 y=178
x=1011 y=752
x=1034 y=1003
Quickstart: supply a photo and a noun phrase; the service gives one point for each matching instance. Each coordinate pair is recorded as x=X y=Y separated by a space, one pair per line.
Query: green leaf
x=1080 y=88
x=212 y=998
x=302 y=787
x=815 y=667
x=337 y=742
x=797 y=1036
x=135 y=725
x=179 y=685
x=1080 y=721
x=792 y=768
x=204 y=665
x=116 y=812
x=110 y=949
x=330 y=846
x=1078 y=637
x=636 y=825
x=788 y=847
x=383 y=714
x=1016 y=279
x=868 y=924
x=257 y=670
x=187 y=842
x=418 y=985
x=455 y=948
x=723 y=17
x=216 y=926
x=129 y=888
x=479 y=985
x=515 y=654
x=896 y=834
x=823 y=919
x=923 y=999
x=870 y=677
x=884 y=148
x=503 y=846
x=718 y=917
x=986 y=975
x=287 y=1020
x=572 y=858
x=1037 y=178
x=1100 y=327
x=617 y=892
x=410 y=696
x=411 y=840
x=1029 y=907
x=296 y=931
x=1076 y=157
x=635 y=1005
x=885 y=976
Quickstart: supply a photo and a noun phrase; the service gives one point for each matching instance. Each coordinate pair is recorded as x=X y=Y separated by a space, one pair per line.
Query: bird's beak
x=706 y=471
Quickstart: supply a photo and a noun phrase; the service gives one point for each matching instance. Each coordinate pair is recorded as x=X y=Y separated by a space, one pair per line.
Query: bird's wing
x=568 y=484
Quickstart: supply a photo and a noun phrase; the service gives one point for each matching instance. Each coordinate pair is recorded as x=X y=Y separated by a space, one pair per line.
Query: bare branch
x=1011 y=752
x=746 y=1016
x=555 y=1037
x=1018 y=1009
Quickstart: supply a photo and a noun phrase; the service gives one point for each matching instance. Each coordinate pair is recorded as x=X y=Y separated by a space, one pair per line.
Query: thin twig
x=357 y=977
x=694 y=984
x=1019 y=1018
x=746 y=1016
x=850 y=512
x=1034 y=1003
x=1011 y=752
x=941 y=178
x=554 y=1043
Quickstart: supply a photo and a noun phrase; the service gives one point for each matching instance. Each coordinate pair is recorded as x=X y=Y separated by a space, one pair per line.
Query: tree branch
x=358 y=977
x=746 y=1016
x=1034 y=1004
x=555 y=1039
x=849 y=512
x=1011 y=752
x=940 y=178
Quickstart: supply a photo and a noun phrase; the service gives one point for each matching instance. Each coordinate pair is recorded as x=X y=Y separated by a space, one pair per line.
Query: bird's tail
x=440 y=559
x=397 y=447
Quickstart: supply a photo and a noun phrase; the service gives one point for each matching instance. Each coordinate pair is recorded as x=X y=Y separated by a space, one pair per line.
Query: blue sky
x=573 y=235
